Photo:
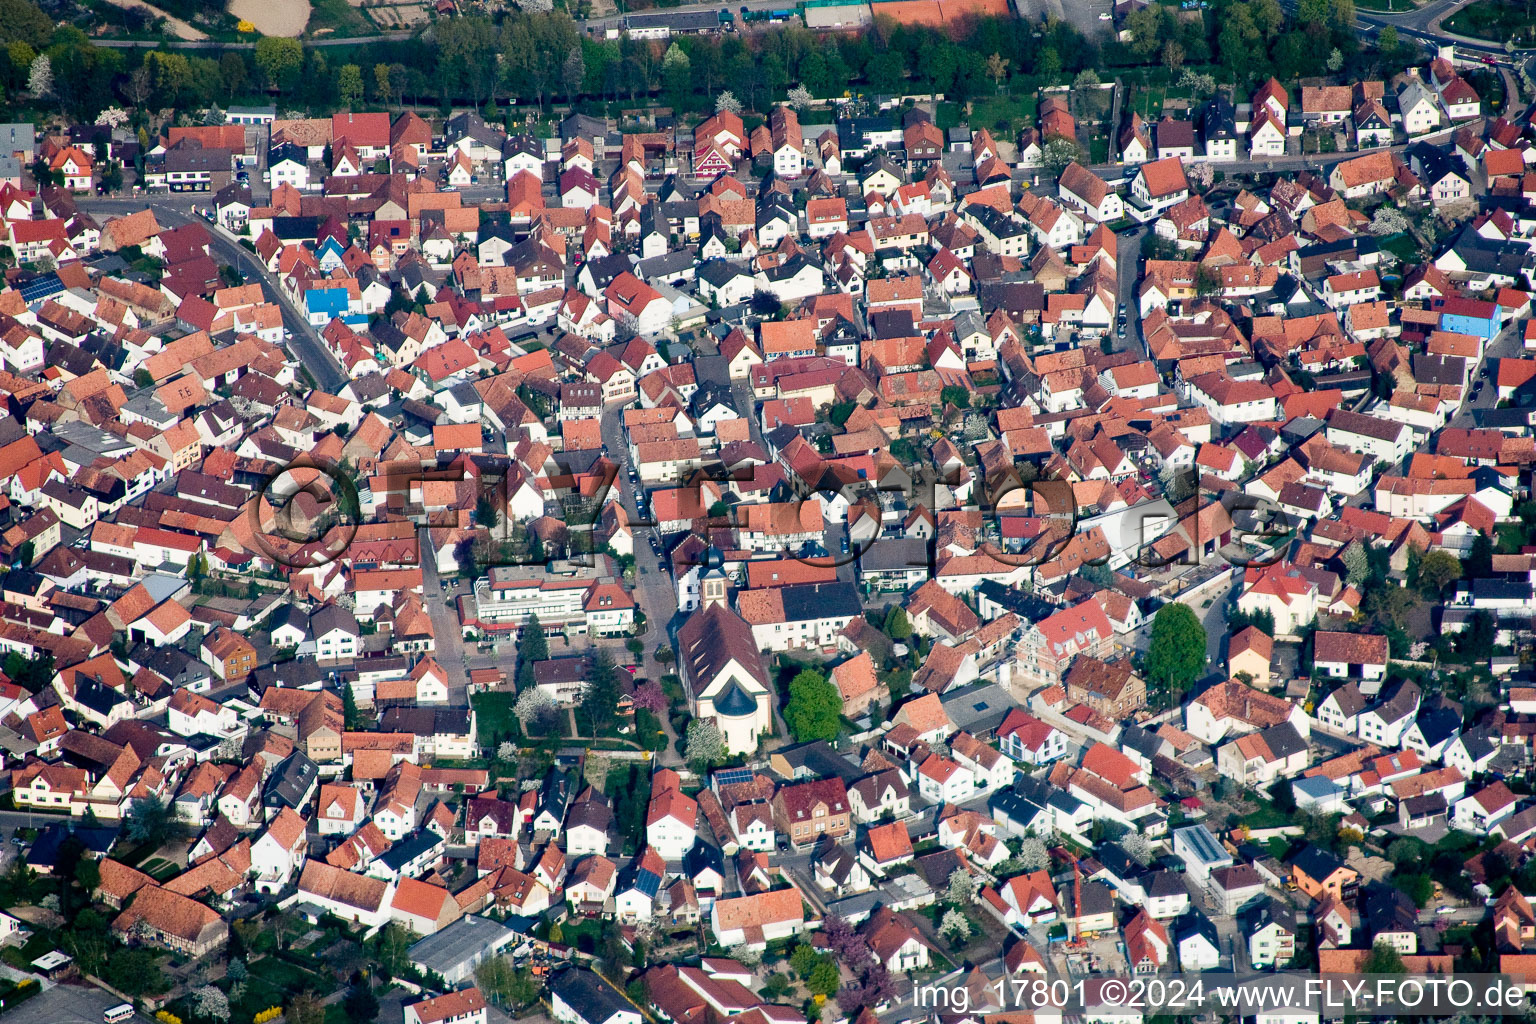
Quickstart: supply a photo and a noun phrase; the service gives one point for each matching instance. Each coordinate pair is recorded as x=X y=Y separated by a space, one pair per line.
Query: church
x=728 y=682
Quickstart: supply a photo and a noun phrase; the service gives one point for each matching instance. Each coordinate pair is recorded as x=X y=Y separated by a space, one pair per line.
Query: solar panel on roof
x=730 y=776
x=40 y=288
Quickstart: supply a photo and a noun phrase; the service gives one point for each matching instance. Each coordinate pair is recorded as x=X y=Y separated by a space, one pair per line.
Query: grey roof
x=1403 y=702
x=333 y=616
x=291 y=781
x=668 y=264
x=820 y=601
x=818 y=759
x=1439 y=720
x=1272 y=911
x=1098 y=898
x=1316 y=862
x=720 y=272
x=1143 y=741
x=1283 y=740
x=978 y=709
x=1195 y=923
x=733 y=701
x=1166 y=883
x=895 y=554
x=426 y=721
x=1200 y=842
x=461 y=943
x=1348 y=698
x=408 y=849
x=589 y=995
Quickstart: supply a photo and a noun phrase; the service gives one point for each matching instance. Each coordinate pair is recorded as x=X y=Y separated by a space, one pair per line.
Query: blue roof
x=39 y=288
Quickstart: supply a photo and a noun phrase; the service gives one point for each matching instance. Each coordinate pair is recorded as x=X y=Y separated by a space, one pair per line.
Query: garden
x=1495 y=21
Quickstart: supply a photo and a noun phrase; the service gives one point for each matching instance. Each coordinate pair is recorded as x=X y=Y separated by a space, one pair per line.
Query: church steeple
x=714 y=586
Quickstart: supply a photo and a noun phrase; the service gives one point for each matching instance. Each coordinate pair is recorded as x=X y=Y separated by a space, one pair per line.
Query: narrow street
x=448 y=636
x=652 y=584
x=302 y=341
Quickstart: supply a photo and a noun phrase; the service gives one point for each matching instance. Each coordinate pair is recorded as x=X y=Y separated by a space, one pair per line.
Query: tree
x=676 y=74
x=305 y=1008
x=1437 y=570
x=727 y=102
x=997 y=69
x=211 y=1002
x=40 y=77
x=1387 y=42
x=279 y=61
x=960 y=889
x=955 y=926
x=493 y=975
x=531 y=647
x=799 y=97
x=823 y=979
x=1176 y=655
x=1138 y=846
x=1335 y=60
x=704 y=746
x=360 y=1003
x=349 y=85
x=803 y=959
x=392 y=948
x=815 y=707
x=350 y=715
x=506 y=751
x=897 y=626
x=1357 y=564
x=1384 y=959
x=1173 y=56
x=524 y=988
x=1476 y=640
x=955 y=395
x=1058 y=152
x=1417 y=886
x=573 y=70
x=649 y=696
x=1387 y=220
x=845 y=943
x=535 y=710
x=600 y=697
x=152 y=822
x=745 y=955
x=1200 y=84
x=486 y=512
x=23 y=21
x=1033 y=855
x=1479 y=561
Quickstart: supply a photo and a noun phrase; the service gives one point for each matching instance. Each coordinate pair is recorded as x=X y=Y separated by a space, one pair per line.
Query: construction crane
x=1077 y=903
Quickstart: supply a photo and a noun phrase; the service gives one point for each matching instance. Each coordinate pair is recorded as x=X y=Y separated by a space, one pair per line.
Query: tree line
x=542 y=57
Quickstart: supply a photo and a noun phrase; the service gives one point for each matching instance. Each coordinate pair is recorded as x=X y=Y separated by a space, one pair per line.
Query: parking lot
x=66 y=1004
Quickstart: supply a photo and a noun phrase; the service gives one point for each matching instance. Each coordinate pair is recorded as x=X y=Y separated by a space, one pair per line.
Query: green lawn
x=282 y=976
x=337 y=18
x=1005 y=114
x=1494 y=21
x=1401 y=245
x=1386 y=5
x=1148 y=101
x=494 y=717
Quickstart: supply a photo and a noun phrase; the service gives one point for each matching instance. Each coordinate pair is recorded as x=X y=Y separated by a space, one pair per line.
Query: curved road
x=303 y=342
